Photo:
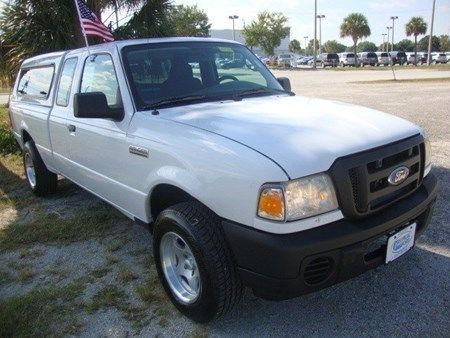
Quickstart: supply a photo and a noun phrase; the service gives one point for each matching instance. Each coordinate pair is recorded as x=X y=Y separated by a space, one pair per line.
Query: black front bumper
x=286 y=266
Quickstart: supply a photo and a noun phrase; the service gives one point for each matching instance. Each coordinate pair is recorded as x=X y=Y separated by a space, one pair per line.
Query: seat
x=181 y=80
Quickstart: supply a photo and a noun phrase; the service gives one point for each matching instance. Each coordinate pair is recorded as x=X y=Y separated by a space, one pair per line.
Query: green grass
x=25 y=275
x=151 y=290
x=53 y=228
x=6 y=277
x=109 y=296
x=148 y=262
x=8 y=144
x=125 y=275
x=111 y=260
x=115 y=244
x=30 y=253
x=40 y=313
x=100 y=272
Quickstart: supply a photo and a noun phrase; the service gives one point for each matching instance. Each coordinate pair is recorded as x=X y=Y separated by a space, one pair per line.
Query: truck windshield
x=180 y=73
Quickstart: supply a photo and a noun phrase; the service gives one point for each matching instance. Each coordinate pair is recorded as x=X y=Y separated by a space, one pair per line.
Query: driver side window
x=99 y=75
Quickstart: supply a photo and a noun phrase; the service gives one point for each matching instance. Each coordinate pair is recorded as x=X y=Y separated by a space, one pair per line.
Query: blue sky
x=301 y=15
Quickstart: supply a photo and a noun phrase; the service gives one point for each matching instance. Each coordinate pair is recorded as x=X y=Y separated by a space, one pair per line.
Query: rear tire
x=40 y=180
x=200 y=230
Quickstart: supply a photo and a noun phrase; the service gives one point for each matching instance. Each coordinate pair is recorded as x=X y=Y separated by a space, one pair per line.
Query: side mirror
x=95 y=105
x=285 y=83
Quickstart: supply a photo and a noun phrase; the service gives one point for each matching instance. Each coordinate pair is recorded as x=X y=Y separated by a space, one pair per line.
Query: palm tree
x=356 y=26
x=416 y=26
x=30 y=27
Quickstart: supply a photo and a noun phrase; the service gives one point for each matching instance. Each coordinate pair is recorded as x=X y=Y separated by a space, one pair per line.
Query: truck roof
x=51 y=57
x=43 y=59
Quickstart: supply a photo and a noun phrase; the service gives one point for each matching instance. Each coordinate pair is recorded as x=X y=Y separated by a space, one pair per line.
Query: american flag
x=90 y=24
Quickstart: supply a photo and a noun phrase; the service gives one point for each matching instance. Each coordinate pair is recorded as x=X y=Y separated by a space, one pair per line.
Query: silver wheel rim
x=29 y=170
x=180 y=268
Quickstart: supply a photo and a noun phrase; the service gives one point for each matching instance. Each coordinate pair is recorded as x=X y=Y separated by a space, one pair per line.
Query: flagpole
x=82 y=28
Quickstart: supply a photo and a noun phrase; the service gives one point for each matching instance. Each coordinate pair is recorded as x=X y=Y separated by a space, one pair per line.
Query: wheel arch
x=26 y=136
x=165 y=195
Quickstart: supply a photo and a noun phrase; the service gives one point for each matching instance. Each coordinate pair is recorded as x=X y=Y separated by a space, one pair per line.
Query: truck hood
x=303 y=135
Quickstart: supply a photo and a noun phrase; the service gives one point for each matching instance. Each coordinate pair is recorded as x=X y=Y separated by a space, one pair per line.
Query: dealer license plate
x=400 y=242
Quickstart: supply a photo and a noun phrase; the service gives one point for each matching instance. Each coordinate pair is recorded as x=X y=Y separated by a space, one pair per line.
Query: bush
x=8 y=144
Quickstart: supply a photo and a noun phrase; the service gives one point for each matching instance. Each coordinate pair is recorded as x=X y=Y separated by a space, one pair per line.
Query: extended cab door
x=58 y=124
x=98 y=148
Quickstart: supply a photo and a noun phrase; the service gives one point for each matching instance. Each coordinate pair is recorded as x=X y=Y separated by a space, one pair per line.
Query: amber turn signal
x=271 y=204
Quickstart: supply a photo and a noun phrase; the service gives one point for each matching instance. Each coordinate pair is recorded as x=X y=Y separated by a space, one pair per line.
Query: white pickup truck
x=242 y=183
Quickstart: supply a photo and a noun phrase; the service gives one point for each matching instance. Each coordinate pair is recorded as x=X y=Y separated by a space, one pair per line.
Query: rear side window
x=65 y=82
x=385 y=55
x=36 y=82
x=350 y=55
x=371 y=55
x=99 y=76
x=332 y=56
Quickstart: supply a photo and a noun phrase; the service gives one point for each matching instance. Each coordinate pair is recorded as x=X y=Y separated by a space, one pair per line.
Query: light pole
x=431 y=35
x=306 y=39
x=393 y=18
x=232 y=18
x=384 y=42
x=320 y=17
x=315 y=34
x=387 y=47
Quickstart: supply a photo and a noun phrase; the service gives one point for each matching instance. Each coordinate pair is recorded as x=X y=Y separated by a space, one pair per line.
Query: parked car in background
x=438 y=58
x=411 y=60
x=347 y=59
x=398 y=58
x=383 y=58
x=368 y=58
x=448 y=56
x=327 y=60
x=423 y=58
x=285 y=60
x=237 y=62
x=305 y=61
x=297 y=61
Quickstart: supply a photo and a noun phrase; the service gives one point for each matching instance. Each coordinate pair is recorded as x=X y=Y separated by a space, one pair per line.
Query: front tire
x=194 y=262
x=40 y=180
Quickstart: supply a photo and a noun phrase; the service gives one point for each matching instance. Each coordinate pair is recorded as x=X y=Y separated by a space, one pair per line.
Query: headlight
x=297 y=199
x=427 y=156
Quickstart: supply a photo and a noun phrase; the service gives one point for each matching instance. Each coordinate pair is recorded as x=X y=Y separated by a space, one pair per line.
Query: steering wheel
x=228 y=77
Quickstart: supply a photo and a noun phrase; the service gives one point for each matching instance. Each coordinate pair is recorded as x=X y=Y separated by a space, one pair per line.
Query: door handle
x=71 y=128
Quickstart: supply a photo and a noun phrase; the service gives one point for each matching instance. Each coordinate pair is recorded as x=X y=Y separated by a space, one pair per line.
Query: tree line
x=439 y=43
x=31 y=27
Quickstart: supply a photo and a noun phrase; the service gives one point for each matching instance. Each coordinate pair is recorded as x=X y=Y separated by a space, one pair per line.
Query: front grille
x=362 y=179
x=318 y=270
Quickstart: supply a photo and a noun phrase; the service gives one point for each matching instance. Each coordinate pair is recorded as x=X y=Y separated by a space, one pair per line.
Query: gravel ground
x=409 y=297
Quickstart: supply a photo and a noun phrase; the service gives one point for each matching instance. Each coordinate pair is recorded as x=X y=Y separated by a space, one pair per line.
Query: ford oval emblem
x=398 y=176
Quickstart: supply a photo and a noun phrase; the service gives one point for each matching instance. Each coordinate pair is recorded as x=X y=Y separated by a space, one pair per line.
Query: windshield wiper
x=175 y=100
x=261 y=90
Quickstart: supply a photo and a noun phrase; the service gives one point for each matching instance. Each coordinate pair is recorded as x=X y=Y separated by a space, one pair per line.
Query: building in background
x=228 y=35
